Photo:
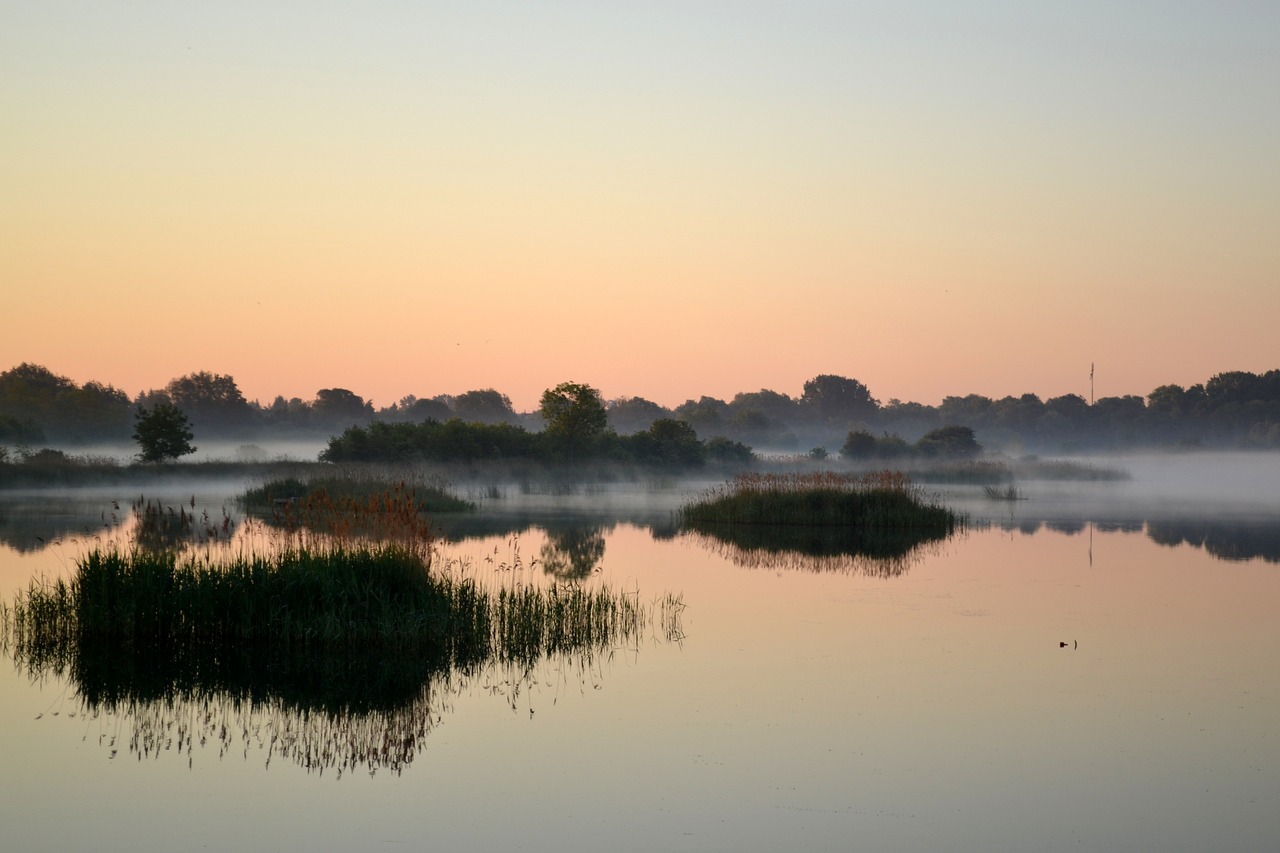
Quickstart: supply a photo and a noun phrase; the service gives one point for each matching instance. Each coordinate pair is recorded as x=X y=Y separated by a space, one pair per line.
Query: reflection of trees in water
x=1225 y=539
x=879 y=553
x=572 y=553
x=31 y=524
x=459 y=527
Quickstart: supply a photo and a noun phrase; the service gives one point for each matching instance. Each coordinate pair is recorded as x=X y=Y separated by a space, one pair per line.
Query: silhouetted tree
x=668 y=443
x=772 y=404
x=838 y=400
x=763 y=418
x=629 y=415
x=575 y=415
x=707 y=415
x=163 y=433
x=416 y=410
x=956 y=442
x=485 y=406
x=1168 y=401
x=340 y=408
x=859 y=444
x=36 y=403
x=213 y=401
x=726 y=451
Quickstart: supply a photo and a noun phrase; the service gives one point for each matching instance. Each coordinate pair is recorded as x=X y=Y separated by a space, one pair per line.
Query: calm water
x=812 y=704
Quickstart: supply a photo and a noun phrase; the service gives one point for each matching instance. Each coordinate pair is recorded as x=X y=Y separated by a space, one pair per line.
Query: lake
x=1094 y=667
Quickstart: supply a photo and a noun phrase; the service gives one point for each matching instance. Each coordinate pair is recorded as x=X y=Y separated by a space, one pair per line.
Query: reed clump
x=1003 y=493
x=875 y=501
x=312 y=600
x=336 y=596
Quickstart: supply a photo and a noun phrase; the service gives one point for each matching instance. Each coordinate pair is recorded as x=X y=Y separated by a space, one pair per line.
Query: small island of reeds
x=355 y=494
x=879 y=514
x=880 y=500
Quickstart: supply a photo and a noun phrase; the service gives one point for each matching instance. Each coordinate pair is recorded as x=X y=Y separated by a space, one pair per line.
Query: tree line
x=1236 y=409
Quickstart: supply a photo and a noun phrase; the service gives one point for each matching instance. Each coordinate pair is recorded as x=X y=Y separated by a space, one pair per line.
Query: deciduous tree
x=163 y=432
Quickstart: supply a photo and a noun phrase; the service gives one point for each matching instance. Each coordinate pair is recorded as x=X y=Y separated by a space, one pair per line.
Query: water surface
x=811 y=704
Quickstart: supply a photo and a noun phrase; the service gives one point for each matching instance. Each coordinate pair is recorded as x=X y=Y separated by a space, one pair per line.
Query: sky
x=664 y=200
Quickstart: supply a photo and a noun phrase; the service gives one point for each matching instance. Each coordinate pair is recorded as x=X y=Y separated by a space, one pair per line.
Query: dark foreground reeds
x=343 y=597
x=881 y=500
x=340 y=657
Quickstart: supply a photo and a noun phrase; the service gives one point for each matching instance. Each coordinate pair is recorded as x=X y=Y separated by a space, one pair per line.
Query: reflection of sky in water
x=930 y=709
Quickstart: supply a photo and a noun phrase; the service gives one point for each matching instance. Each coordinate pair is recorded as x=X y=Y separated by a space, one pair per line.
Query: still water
x=1092 y=668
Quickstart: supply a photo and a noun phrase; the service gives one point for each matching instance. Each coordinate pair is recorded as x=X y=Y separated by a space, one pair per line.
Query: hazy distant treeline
x=1235 y=409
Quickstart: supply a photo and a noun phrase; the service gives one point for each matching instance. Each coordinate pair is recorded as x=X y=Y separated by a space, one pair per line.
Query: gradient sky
x=665 y=199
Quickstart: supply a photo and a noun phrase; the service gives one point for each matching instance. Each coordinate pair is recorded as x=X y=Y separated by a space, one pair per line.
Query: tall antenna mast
x=1091 y=383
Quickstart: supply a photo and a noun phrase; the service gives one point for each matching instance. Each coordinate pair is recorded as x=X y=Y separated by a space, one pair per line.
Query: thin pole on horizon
x=1091 y=383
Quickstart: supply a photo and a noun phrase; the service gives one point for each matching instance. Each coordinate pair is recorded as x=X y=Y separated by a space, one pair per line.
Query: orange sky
x=664 y=201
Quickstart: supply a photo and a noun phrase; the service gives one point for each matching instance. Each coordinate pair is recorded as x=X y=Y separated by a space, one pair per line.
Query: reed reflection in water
x=816 y=549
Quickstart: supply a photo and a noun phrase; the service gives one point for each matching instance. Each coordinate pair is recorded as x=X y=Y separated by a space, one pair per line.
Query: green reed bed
x=343 y=597
x=882 y=500
x=377 y=595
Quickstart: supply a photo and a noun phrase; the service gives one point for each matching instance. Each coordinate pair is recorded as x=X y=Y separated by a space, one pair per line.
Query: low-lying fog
x=218 y=450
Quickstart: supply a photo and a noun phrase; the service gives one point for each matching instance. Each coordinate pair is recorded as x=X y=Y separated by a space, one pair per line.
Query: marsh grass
x=159 y=527
x=970 y=472
x=333 y=658
x=876 y=501
x=350 y=492
x=333 y=645
x=382 y=598
x=1008 y=492
x=1067 y=470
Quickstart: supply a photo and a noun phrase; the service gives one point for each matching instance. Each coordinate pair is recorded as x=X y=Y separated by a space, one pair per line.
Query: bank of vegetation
x=1234 y=409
